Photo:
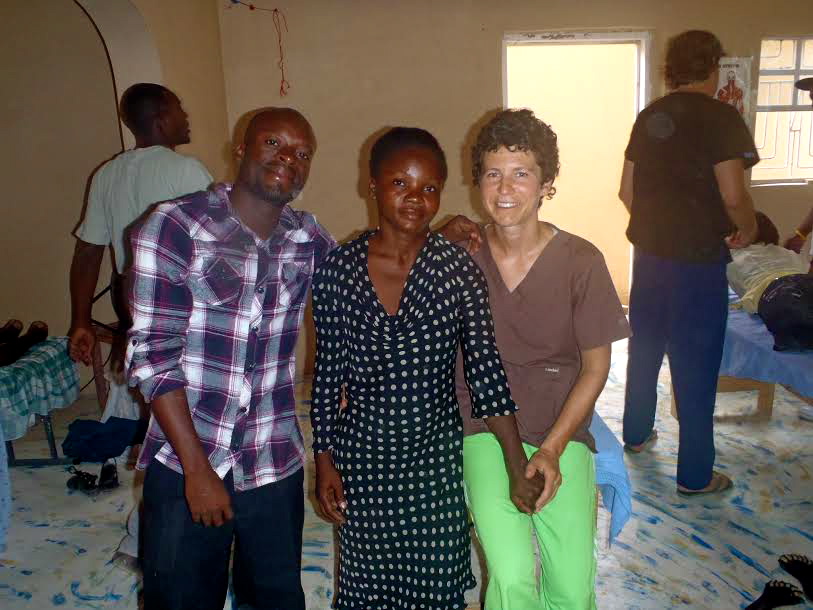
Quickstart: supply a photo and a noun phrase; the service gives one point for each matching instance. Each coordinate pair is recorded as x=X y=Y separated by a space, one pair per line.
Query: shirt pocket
x=294 y=281
x=219 y=282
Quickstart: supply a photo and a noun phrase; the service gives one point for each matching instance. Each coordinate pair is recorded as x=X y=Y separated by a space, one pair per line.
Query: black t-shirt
x=677 y=209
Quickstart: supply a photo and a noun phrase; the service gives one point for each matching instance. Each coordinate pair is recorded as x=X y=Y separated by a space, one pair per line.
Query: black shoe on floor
x=108 y=477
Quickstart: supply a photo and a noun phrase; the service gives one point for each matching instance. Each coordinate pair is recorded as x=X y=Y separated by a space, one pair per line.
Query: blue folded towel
x=611 y=476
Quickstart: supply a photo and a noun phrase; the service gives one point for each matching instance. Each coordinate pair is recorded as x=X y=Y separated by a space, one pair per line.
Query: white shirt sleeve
x=193 y=177
x=94 y=228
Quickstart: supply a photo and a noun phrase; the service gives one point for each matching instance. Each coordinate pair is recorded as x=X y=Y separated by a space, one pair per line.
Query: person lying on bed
x=774 y=282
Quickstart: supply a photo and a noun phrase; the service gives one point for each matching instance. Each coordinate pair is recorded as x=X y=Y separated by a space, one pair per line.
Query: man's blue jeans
x=680 y=309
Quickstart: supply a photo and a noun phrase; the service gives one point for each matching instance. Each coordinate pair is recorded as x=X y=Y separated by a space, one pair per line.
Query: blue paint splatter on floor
x=26 y=595
x=702 y=542
x=745 y=530
x=747 y=560
x=317 y=569
x=88 y=597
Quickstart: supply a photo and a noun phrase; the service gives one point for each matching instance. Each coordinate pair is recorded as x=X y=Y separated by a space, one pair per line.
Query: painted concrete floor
x=703 y=553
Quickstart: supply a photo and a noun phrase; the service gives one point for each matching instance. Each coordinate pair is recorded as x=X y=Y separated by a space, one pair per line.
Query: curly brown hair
x=518 y=130
x=691 y=57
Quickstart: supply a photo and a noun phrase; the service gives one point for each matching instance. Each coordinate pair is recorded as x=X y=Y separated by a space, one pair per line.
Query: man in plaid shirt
x=220 y=279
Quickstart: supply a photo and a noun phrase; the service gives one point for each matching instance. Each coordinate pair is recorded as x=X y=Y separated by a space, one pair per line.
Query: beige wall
x=58 y=123
x=355 y=67
x=187 y=36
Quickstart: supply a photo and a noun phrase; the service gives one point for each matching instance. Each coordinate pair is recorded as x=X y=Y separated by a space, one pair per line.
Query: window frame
x=796 y=73
x=642 y=38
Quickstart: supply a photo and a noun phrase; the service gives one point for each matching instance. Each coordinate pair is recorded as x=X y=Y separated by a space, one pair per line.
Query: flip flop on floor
x=82 y=481
x=777 y=594
x=650 y=440
x=801 y=568
x=718 y=484
x=10 y=330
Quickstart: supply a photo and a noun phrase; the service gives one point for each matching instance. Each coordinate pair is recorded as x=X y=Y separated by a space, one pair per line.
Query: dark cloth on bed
x=786 y=307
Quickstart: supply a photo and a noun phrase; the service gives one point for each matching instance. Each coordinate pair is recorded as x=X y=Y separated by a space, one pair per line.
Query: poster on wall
x=734 y=84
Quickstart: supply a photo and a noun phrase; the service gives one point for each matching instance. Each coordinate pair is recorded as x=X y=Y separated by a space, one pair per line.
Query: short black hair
x=691 y=56
x=767 y=233
x=141 y=104
x=518 y=130
x=400 y=138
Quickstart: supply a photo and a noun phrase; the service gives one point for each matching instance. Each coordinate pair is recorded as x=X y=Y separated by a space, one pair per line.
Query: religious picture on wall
x=734 y=83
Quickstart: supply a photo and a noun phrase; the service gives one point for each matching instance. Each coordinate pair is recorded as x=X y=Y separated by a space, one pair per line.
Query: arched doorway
x=63 y=65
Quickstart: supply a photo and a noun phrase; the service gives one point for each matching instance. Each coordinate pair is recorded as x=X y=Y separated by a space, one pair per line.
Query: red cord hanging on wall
x=280 y=24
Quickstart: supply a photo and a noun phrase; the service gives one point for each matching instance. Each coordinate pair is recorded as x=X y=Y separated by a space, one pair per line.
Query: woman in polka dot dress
x=391 y=308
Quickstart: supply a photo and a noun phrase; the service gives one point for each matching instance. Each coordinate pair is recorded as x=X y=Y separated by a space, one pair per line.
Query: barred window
x=783 y=129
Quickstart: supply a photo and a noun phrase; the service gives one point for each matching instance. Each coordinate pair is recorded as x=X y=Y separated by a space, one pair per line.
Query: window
x=783 y=129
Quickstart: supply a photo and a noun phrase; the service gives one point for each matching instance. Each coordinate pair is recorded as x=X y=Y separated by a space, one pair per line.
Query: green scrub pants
x=565 y=530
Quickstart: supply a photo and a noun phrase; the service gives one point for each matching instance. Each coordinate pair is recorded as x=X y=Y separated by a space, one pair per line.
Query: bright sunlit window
x=783 y=129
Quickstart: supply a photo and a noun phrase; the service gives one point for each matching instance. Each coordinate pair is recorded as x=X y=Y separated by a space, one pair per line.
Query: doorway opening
x=588 y=87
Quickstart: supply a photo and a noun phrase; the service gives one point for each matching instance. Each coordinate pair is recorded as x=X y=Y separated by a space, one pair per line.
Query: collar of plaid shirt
x=223 y=224
x=237 y=364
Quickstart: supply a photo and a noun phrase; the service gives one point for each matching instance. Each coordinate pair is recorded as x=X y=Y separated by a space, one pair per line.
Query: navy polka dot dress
x=398 y=444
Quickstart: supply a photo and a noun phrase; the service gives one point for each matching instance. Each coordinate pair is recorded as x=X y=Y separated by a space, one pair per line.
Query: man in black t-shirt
x=684 y=185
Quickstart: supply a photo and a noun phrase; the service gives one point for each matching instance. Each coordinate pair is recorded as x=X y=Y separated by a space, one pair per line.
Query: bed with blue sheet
x=749 y=354
x=750 y=362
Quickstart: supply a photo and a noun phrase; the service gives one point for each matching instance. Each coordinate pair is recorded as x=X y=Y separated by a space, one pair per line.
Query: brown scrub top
x=566 y=303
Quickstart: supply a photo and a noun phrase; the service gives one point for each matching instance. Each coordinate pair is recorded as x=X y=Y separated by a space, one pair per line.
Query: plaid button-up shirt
x=217 y=311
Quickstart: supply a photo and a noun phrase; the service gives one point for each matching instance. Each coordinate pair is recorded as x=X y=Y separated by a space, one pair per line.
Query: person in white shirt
x=774 y=282
x=123 y=190
x=754 y=267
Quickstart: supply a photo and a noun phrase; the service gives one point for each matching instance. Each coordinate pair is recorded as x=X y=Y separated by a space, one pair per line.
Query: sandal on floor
x=650 y=440
x=108 y=477
x=10 y=330
x=82 y=481
x=718 y=484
